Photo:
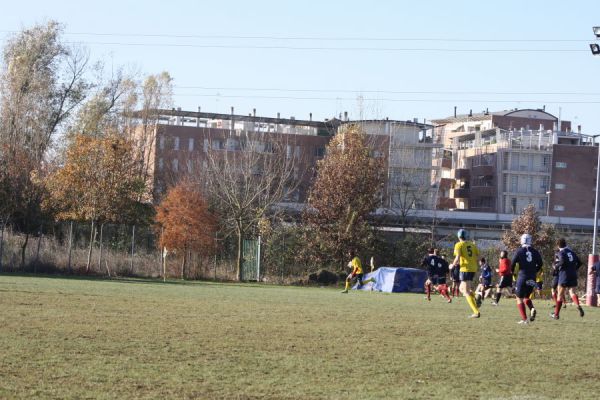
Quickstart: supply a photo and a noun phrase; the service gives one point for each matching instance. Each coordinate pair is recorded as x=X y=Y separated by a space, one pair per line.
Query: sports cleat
x=475 y=315
x=373 y=280
x=554 y=316
x=523 y=322
x=494 y=303
x=533 y=314
x=581 y=313
x=449 y=300
x=344 y=291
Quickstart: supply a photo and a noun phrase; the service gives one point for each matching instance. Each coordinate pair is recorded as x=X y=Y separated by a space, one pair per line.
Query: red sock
x=445 y=294
x=575 y=300
x=557 y=307
x=521 y=308
x=529 y=303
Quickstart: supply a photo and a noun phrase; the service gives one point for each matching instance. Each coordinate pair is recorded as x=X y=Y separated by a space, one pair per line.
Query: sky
x=376 y=59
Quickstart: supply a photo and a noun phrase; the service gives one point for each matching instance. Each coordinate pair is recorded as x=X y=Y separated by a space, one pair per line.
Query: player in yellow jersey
x=539 y=284
x=466 y=255
x=356 y=274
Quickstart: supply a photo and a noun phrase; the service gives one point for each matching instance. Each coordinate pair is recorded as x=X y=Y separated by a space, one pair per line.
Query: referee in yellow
x=466 y=255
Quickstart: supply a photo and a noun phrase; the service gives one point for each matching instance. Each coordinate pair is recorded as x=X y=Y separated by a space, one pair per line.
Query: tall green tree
x=346 y=190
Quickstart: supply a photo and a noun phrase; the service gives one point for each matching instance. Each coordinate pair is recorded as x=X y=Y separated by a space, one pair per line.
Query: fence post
x=70 y=246
x=258 y=260
x=132 y=248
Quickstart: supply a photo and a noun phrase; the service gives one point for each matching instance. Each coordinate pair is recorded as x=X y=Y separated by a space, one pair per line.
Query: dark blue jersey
x=430 y=263
x=567 y=261
x=529 y=260
x=442 y=267
x=486 y=275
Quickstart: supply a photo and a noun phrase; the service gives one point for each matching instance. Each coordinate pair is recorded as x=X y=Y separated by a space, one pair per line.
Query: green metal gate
x=251 y=262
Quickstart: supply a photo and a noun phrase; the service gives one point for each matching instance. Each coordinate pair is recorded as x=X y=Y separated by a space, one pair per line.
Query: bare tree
x=246 y=177
x=41 y=84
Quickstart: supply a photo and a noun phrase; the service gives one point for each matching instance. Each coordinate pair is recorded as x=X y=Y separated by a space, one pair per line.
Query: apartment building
x=499 y=162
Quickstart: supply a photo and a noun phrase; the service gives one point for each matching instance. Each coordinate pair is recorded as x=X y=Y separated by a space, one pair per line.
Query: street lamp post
x=590 y=298
x=548 y=193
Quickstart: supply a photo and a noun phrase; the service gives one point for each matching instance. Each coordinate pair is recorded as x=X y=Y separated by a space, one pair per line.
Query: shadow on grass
x=140 y=280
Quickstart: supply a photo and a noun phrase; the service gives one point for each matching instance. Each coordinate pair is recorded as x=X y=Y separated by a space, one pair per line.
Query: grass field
x=131 y=339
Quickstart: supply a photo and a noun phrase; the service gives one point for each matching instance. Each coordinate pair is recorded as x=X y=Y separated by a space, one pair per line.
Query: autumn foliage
x=347 y=189
x=184 y=222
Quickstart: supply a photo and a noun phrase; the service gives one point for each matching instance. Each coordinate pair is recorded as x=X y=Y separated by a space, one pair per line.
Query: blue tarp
x=396 y=280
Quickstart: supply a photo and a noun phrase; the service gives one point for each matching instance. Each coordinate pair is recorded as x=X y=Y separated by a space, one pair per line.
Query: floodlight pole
x=590 y=297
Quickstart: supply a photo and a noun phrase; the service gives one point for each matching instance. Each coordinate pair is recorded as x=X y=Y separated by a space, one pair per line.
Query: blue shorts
x=567 y=279
x=524 y=287
x=539 y=285
x=554 y=282
x=466 y=276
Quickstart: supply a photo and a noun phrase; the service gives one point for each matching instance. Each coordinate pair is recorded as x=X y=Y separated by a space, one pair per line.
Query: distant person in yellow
x=356 y=274
x=466 y=255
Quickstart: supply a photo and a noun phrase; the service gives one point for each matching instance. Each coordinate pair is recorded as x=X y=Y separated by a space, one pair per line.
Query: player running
x=485 y=282
x=567 y=264
x=455 y=279
x=356 y=274
x=466 y=254
x=596 y=270
x=437 y=269
x=505 y=273
x=530 y=262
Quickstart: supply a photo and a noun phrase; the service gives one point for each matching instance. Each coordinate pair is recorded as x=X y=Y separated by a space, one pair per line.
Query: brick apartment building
x=183 y=139
x=500 y=162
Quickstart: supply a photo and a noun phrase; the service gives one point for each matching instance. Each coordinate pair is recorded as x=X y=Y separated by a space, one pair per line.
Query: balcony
x=446 y=203
x=462 y=193
x=462 y=174
x=484 y=170
x=446 y=183
x=483 y=191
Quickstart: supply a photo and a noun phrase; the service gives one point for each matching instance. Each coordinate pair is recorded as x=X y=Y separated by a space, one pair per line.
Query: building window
x=559 y=186
x=190 y=166
x=175 y=164
x=176 y=143
x=191 y=144
x=205 y=145
x=161 y=143
x=542 y=204
x=514 y=184
x=161 y=164
x=530 y=184
x=560 y=164
x=319 y=151
x=513 y=205
x=558 y=207
x=545 y=161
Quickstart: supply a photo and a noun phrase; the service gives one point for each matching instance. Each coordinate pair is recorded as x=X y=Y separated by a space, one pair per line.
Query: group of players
x=526 y=265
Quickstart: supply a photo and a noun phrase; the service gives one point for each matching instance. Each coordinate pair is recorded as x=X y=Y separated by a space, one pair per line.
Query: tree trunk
x=100 y=250
x=132 y=248
x=240 y=254
x=183 y=265
x=1 y=243
x=37 y=252
x=89 y=258
x=23 y=247
x=70 y=246
x=164 y=264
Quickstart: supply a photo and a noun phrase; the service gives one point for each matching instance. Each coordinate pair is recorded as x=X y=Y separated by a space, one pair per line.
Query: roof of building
x=487 y=115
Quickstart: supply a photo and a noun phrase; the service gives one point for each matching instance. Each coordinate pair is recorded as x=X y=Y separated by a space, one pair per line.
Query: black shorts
x=566 y=279
x=466 y=276
x=438 y=280
x=539 y=285
x=359 y=278
x=524 y=287
x=505 y=281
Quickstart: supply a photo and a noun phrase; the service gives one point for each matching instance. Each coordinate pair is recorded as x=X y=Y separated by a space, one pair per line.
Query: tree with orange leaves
x=185 y=223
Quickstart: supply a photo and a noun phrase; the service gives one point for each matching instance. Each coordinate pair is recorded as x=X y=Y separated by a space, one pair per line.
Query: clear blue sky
x=322 y=79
